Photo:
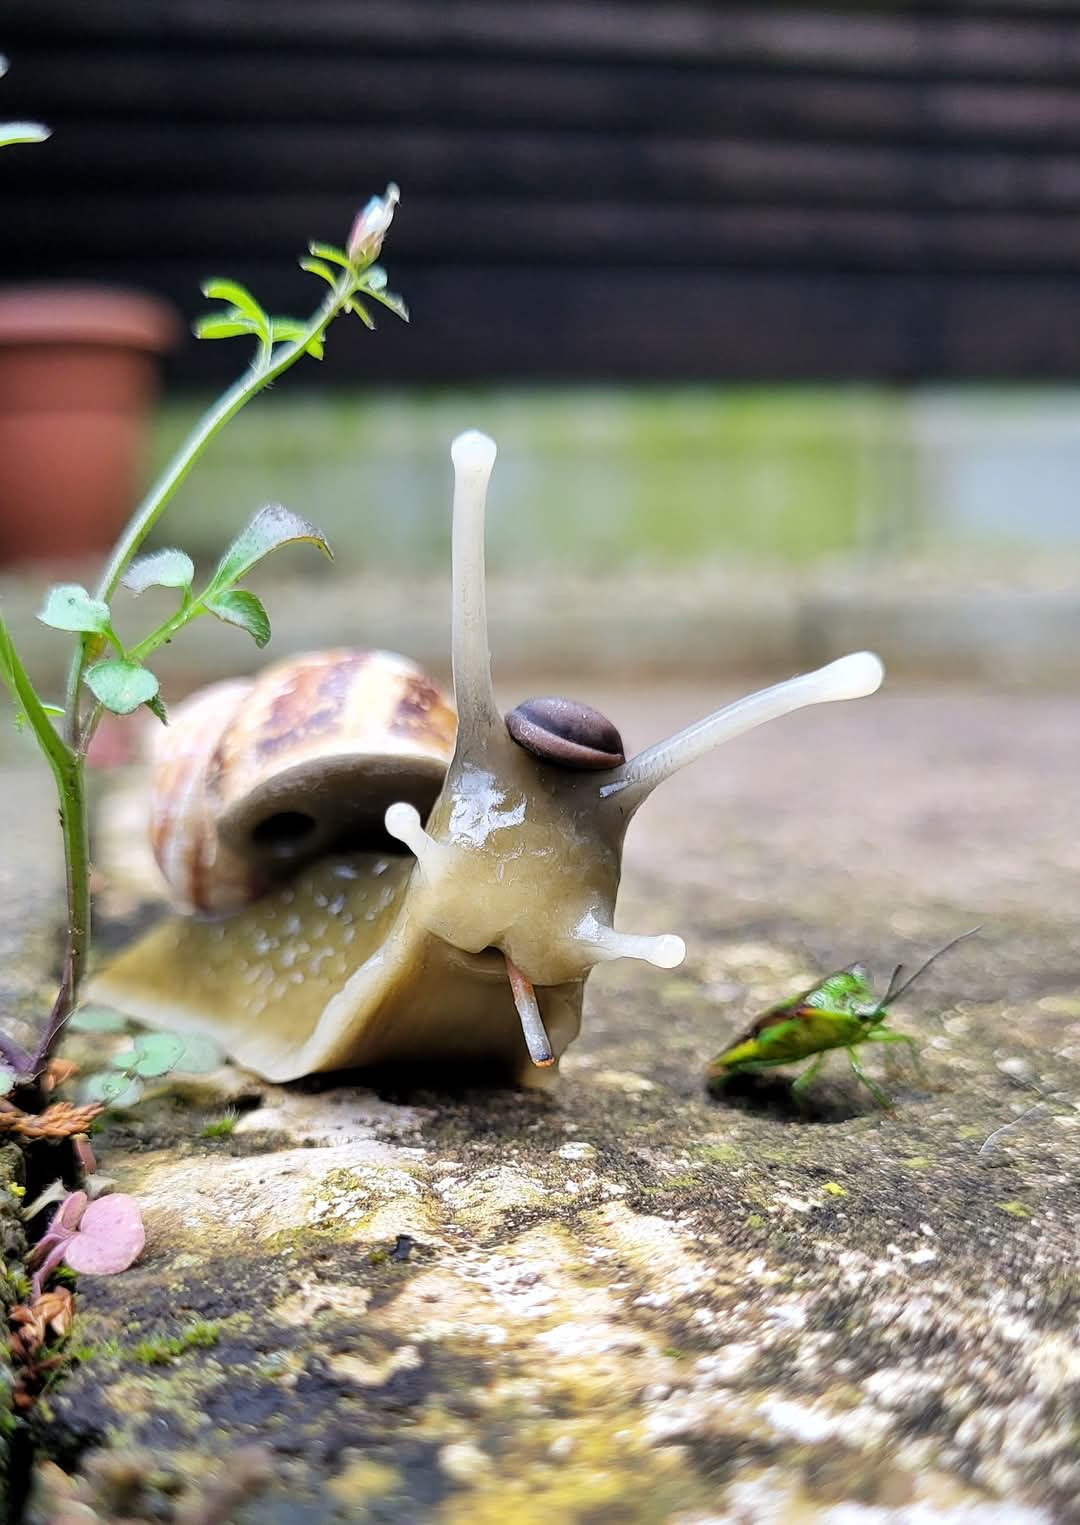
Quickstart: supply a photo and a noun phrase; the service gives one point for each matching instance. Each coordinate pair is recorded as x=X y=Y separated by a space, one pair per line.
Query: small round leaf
x=113 y=1090
x=96 y=1019
x=201 y=1055
x=240 y=607
x=68 y=606
x=156 y=1054
x=161 y=569
x=110 y=1237
x=121 y=685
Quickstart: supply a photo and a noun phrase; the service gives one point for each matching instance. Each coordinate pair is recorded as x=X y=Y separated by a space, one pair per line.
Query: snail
x=278 y=800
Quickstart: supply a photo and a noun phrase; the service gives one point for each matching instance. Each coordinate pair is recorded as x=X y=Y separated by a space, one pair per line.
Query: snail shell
x=255 y=777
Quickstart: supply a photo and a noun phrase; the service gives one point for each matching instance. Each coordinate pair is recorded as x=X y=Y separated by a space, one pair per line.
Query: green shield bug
x=838 y=1012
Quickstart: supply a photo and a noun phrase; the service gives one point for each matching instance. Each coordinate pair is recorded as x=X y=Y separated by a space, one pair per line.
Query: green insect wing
x=840 y=1011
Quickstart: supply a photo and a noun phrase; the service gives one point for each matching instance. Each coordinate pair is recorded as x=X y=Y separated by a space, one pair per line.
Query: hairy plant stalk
x=66 y=752
x=68 y=774
x=264 y=369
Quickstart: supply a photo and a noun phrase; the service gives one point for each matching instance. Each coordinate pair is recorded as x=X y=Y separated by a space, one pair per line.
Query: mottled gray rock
x=629 y=1301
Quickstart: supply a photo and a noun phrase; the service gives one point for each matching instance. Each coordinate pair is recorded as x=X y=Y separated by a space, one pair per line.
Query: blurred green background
x=591 y=479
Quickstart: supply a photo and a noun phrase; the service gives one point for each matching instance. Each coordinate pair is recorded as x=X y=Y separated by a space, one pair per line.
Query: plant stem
x=67 y=770
x=263 y=370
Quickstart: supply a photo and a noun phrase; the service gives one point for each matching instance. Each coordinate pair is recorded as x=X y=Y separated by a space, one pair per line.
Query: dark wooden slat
x=354 y=161
x=67 y=87
x=215 y=226
x=890 y=40
x=486 y=324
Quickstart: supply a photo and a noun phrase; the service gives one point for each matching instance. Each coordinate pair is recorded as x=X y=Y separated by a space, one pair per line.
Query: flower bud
x=371 y=225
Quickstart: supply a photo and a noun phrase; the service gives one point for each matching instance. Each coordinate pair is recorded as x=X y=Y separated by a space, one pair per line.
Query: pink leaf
x=69 y=1212
x=110 y=1237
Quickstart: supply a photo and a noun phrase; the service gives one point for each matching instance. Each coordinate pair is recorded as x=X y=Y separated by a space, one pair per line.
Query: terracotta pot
x=78 y=373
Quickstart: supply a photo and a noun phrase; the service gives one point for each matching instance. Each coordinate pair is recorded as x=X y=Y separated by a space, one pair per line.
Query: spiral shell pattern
x=255 y=777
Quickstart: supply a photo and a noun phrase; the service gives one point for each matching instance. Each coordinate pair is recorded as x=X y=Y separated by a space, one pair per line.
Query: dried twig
x=60 y=1120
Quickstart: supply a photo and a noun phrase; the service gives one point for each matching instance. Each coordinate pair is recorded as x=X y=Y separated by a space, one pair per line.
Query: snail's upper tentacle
x=851 y=677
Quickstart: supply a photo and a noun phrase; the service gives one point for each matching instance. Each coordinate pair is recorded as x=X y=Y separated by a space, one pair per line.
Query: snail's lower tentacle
x=403 y=822
x=666 y=951
x=532 y=1023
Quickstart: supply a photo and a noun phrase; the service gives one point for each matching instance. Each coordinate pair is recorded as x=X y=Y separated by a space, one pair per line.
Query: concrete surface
x=630 y=1301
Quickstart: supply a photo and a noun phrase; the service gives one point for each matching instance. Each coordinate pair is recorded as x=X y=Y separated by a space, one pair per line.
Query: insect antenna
x=894 y=980
x=895 y=991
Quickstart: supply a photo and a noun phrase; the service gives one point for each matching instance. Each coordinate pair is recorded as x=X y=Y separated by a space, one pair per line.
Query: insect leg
x=800 y=1084
x=887 y=1035
x=875 y=1090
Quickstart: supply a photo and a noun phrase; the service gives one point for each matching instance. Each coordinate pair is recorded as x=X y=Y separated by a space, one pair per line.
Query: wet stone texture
x=626 y=1300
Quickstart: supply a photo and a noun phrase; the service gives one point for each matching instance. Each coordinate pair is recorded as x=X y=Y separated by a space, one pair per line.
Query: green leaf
x=319 y=267
x=156 y=706
x=272 y=526
x=287 y=328
x=116 y=1090
x=201 y=1056
x=237 y=606
x=121 y=685
x=237 y=296
x=352 y=305
x=68 y=606
x=216 y=326
x=156 y=1054
x=22 y=132
x=97 y=1019
x=7 y=1079
x=293 y=328
x=329 y=252
x=56 y=711
x=393 y=302
x=161 y=569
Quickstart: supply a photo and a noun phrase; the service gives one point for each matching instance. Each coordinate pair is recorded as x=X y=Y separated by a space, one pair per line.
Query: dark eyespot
x=566 y=733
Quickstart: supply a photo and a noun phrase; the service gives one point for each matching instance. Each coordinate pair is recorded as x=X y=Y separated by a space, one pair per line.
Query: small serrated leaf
x=361 y=312
x=237 y=296
x=68 y=606
x=236 y=606
x=161 y=569
x=393 y=303
x=287 y=328
x=121 y=685
x=215 y=326
x=156 y=706
x=319 y=267
x=272 y=526
x=329 y=252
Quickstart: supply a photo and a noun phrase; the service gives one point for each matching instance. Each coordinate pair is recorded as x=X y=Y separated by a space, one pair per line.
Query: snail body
x=477 y=942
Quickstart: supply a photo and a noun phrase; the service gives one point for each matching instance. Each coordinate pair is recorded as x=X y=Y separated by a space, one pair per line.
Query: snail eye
x=566 y=733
